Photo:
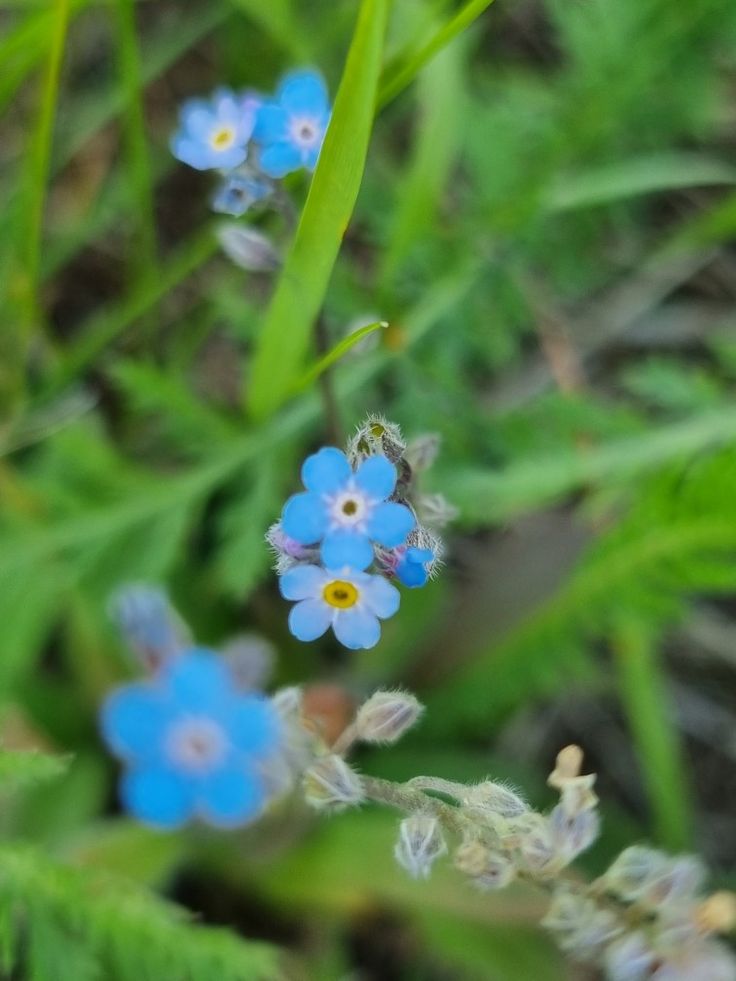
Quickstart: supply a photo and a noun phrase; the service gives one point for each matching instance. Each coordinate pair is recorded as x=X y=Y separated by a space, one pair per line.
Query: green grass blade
x=304 y=279
x=334 y=355
x=642 y=691
x=404 y=69
x=136 y=143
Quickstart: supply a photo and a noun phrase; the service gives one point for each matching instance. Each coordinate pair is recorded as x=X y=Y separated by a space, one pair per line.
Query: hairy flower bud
x=577 y=795
x=250 y=658
x=634 y=869
x=580 y=927
x=376 y=435
x=331 y=783
x=386 y=716
x=420 y=844
x=422 y=452
x=630 y=958
x=572 y=834
x=497 y=798
x=288 y=702
x=248 y=248
x=489 y=869
x=435 y=510
x=151 y=626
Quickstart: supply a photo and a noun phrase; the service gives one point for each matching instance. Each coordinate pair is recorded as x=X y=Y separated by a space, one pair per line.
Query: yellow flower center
x=341 y=594
x=223 y=138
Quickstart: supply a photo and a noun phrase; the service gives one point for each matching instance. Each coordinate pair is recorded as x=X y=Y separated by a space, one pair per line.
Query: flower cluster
x=195 y=739
x=645 y=919
x=254 y=139
x=358 y=511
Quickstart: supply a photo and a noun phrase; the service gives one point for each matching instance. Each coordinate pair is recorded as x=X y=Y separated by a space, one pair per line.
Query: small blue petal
x=304 y=518
x=197 y=118
x=309 y=619
x=133 y=720
x=231 y=797
x=157 y=796
x=303 y=92
x=346 y=548
x=376 y=476
x=381 y=597
x=302 y=582
x=272 y=123
x=357 y=629
x=253 y=725
x=280 y=159
x=325 y=472
x=414 y=554
x=390 y=523
x=198 y=680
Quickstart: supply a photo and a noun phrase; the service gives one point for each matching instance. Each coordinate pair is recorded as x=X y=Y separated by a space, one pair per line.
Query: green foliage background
x=539 y=198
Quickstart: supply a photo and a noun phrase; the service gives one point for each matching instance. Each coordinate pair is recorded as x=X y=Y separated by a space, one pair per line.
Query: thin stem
x=329 y=400
x=406 y=799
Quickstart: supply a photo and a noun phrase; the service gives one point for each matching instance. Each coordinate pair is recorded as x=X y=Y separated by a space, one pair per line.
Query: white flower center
x=305 y=132
x=196 y=744
x=349 y=509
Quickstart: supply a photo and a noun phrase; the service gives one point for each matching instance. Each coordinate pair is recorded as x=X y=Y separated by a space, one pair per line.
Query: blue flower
x=345 y=511
x=239 y=192
x=153 y=629
x=214 y=133
x=413 y=565
x=193 y=744
x=291 y=127
x=348 y=601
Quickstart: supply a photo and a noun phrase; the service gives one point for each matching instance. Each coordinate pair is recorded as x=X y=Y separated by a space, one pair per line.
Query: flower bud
x=151 y=626
x=567 y=766
x=331 y=783
x=717 y=913
x=494 y=797
x=420 y=844
x=571 y=835
x=422 y=452
x=386 y=716
x=489 y=870
x=435 y=510
x=287 y=551
x=288 y=702
x=248 y=248
x=679 y=880
x=376 y=435
x=534 y=844
x=250 y=658
x=630 y=958
x=635 y=869
x=578 y=795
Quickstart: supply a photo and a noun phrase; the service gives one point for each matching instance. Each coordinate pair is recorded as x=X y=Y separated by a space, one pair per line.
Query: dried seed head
x=331 y=783
x=420 y=844
x=386 y=716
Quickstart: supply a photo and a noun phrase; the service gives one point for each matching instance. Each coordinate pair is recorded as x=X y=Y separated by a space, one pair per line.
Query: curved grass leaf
x=303 y=283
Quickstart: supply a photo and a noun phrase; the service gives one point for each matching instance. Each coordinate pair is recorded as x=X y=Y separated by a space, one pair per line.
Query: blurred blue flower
x=239 y=192
x=348 y=601
x=193 y=743
x=345 y=510
x=291 y=127
x=214 y=133
x=151 y=626
x=413 y=565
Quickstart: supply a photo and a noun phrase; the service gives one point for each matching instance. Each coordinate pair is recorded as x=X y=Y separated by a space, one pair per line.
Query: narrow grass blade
x=642 y=691
x=304 y=279
x=405 y=68
x=334 y=355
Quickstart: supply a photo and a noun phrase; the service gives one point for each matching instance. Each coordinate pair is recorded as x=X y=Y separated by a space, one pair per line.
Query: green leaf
x=334 y=355
x=630 y=178
x=284 y=337
x=24 y=768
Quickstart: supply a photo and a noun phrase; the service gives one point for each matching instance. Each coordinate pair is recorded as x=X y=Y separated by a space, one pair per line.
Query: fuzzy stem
x=409 y=800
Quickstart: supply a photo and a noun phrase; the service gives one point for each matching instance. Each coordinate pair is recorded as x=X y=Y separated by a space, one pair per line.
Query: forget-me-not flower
x=350 y=602
x=239 y=192
x=346 y=510
x=193 y=743
x=291 y=127
x=214 y=133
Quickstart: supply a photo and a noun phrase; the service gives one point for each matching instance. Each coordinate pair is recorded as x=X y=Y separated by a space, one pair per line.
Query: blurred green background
x=547 y=220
